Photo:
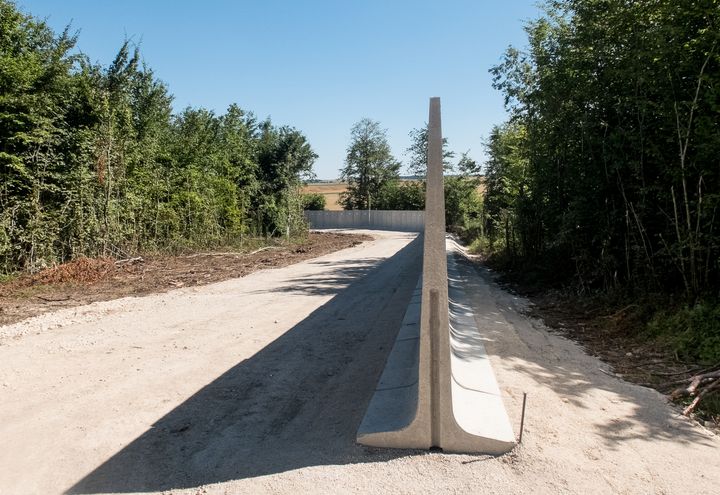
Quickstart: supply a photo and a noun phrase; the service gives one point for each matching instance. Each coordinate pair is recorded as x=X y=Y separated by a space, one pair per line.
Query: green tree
x=401 y=195
x=617 y=102
x=92 y=160
x=36 y=90
x=508 y=191
x=285 y=160
x=313 y=201
x=417 y=153
x=369 y=165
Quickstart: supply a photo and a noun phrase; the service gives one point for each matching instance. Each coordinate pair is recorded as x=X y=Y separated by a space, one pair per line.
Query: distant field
x=332 y=191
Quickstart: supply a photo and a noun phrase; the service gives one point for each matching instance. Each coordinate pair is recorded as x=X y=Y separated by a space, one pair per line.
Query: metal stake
x=522 y=417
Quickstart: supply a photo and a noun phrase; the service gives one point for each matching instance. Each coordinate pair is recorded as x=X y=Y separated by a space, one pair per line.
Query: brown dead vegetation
x=611 y=333
x=87 y=280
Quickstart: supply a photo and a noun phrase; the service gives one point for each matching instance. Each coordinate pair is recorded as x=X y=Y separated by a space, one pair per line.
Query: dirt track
x=258 y=384
x=84 y=281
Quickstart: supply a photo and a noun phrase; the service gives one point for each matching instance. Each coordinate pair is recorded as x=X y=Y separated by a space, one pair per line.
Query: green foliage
x=417 y=153
x=463 y=205
x=692 y=331
x=92 y=161
x=285 y=159
x=369 y=166
x=397 y=195
x=479 y=245
x=313 y=201
x=609 y=159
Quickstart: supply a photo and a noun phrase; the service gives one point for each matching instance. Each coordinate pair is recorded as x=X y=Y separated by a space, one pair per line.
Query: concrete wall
x=438 y=388
x=404 y=221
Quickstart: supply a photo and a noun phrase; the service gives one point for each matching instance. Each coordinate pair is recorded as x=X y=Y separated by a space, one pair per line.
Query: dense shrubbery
x=93 y=161
x=610 y=157
x=313 y=201
x=607 y=169
x=692 y=331
x=463 y=204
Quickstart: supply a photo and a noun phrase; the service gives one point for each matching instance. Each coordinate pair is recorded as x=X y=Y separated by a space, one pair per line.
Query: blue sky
x=317 y=65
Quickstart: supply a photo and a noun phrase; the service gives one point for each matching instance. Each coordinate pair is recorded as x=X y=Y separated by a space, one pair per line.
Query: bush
x=313 y=201
x=692 y=331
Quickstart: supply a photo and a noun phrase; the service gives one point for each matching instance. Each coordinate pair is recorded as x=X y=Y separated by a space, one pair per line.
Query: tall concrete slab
x=438 y=388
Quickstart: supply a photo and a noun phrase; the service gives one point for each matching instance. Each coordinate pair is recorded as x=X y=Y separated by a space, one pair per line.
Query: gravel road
x=257 y=385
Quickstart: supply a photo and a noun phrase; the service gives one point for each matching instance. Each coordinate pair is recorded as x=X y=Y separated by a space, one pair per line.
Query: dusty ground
x=587 y=431
x=86 y=281
x=611 y=329
x=257 y=385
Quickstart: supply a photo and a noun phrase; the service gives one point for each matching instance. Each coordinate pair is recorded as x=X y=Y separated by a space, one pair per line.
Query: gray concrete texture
x=395 y=220
x=437 y=389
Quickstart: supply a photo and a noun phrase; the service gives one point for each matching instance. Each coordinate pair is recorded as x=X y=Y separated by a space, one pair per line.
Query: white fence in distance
x=399 y=220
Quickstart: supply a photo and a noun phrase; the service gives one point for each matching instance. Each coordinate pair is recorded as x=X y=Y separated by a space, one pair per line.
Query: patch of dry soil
x=85 y=280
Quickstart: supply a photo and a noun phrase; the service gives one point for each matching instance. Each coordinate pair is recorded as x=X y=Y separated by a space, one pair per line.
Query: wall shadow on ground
x=327 y=282
x=296 y=403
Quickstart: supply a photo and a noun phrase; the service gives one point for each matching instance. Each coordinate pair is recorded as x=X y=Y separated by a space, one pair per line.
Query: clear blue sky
x=317 y=65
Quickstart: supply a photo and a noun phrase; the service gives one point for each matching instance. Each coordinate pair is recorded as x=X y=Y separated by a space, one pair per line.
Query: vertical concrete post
x=437 y=390
x=434 y=315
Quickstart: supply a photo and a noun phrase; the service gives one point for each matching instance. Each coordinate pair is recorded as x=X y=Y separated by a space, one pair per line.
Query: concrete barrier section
x=438 y=388
x=397 y=220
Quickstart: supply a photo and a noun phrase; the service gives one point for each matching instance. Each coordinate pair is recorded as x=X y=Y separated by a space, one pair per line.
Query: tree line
x=93 y=161
x=607 y=168
x=372 y=174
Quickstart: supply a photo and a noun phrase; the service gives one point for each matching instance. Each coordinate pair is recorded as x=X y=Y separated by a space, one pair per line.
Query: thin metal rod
x=522 y=417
